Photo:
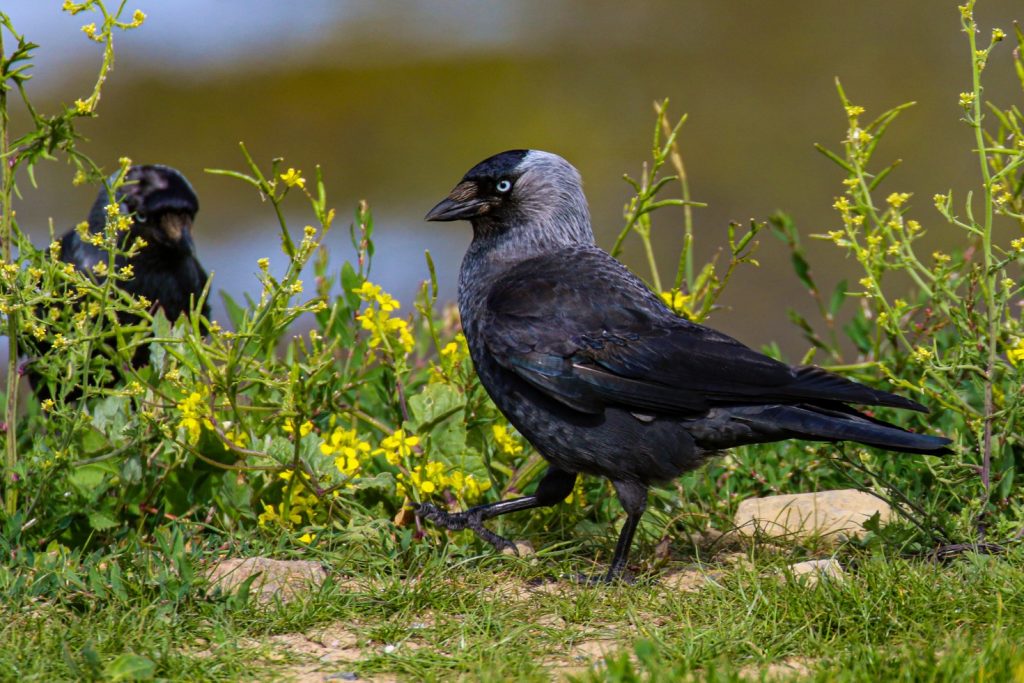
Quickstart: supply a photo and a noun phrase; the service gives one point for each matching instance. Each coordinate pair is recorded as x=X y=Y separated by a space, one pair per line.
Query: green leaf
x=91 y=479
x=803 y=270
x=109 y=415
x=837 y=298
x=280 y=449
x=100 y=520
x=130 y=667
x=435 y=403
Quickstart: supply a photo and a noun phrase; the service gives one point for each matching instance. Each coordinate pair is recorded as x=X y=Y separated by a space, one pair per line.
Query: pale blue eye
x=503 y=186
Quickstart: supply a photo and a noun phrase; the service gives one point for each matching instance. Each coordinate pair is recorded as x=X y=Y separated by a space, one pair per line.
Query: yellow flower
x=897 y=199
x=236 y=436
x=922 y=354
x=349 y=451
x=373 y=294
x=304 y=429
x=82 y=107
x=966 y=99
x=578 y=495
x=1016 y=354
x=47 y=405
x=194 y=416
x=263 y=263
x=137 y=18
x=293 y=178
x=268 y=515
x=307 y=538
x=466 y=485
x=90 y=31
x=506 y=442
x=426 y=479
x=397 y=447
x=678 y=302
x=853 y=111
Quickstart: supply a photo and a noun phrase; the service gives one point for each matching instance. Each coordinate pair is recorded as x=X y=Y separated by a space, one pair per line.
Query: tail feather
x=822 y=384
x=815 y=423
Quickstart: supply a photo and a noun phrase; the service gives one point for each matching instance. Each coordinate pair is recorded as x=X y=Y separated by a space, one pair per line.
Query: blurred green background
x=395 y=100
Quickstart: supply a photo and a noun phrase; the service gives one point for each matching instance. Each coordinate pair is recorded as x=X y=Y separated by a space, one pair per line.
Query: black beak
x=176 y=232
x=461 y=204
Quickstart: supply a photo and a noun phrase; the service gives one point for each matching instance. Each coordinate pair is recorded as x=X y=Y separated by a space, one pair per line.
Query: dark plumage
x=162 y=205
x=598 y=374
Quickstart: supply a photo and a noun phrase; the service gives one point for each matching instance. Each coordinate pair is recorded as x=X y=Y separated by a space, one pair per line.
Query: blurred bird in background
x=162 y=206
x=598 y=374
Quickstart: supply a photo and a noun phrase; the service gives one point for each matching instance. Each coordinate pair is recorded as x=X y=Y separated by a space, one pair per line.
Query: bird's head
x=161 y=202
x=523 y=196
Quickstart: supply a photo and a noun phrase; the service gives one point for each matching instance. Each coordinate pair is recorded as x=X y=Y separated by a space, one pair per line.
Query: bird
x=599 y=375
x=162 y=206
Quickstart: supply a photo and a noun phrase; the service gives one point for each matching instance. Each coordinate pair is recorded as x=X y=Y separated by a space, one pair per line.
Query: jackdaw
x=598 y=374
x=162 y=206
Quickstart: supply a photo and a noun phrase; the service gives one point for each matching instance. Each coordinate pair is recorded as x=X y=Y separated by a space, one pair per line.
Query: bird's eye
x=141 y=218
x=503 y=186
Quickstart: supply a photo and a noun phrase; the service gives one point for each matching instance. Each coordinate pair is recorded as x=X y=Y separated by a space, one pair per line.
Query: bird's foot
x=457 y=521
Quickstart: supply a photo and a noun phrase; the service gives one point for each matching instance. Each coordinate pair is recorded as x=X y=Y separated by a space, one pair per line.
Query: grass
x=429 y=614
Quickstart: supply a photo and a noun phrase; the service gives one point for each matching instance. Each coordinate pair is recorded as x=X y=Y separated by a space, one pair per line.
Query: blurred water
x=395 y=100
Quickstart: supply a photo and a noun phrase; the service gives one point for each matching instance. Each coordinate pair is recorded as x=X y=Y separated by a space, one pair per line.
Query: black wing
x=580 y=327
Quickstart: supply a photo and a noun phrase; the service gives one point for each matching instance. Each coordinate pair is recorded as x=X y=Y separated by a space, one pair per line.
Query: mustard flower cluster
x=300 y=508
x=195 y=414
x=397 y=447
x=432 y=478
x=349 y=451
x=391 y=334
x=450 y=360
x=508 y=443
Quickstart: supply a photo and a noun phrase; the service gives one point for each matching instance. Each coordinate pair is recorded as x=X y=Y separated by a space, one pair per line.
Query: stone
x=829 y=516
x=282 y=578
x=523 y=549
x=812 y=571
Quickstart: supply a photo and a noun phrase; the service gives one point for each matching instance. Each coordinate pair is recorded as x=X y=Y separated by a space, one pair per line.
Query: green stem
x=992 y=315
x=645 y=237
x=6 y=236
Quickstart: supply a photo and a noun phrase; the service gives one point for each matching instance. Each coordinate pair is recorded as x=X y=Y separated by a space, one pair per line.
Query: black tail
x=815 y=423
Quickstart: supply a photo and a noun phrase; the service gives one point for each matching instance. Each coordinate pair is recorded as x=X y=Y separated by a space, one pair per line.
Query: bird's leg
x=553 y=488
x=633 y=497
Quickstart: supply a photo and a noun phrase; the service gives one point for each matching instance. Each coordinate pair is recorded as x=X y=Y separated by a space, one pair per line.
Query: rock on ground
x=826 y=515
x=281 y=578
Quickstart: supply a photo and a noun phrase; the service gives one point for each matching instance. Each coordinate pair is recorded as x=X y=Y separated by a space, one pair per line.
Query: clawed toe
x=448 y=520
x=458 y=521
